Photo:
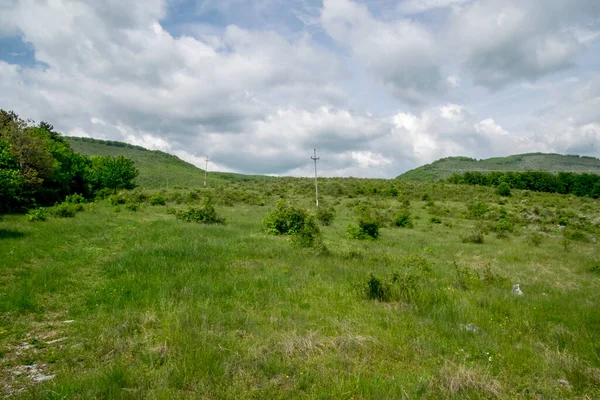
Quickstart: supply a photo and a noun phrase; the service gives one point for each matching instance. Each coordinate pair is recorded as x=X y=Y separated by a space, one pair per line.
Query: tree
x=113 y=172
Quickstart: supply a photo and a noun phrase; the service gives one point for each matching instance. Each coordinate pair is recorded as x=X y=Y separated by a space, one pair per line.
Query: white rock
x=517 y=290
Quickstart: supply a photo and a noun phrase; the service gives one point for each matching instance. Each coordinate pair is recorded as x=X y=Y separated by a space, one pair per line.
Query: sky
x=377 y=87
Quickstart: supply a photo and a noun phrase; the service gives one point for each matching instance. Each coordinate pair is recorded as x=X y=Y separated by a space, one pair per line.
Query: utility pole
x=206 y=170
x=315 y=158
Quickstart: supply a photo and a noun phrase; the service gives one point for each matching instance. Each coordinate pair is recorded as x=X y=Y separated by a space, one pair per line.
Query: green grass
x=555 y=163
x=157 y=169
x=169 y=309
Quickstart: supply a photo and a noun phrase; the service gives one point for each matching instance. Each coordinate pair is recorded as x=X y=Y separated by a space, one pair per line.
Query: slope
x=554 y=163
x=157 y=169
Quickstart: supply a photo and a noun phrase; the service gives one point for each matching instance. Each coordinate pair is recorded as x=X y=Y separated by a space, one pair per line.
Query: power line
x=315 y=158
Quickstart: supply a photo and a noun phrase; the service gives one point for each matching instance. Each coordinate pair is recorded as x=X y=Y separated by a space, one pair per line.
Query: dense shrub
x=158 y=200
x=75 y=198
x=64 y=210
x=205 y=214
x=503 y=189
x=368 y=224
x=535 y=238
x=325 y=215
x=130 y=206
x=294 y=221
x=403 y=220
x=37 y=214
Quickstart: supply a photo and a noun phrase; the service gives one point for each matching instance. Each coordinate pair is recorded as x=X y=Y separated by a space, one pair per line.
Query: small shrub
x=205 y=214
x=137 y=197
x=325 y=215
x=116 y=199
x=595 y=268
x=478 y=210
x=171 y=211
x=296 y=222
x=64 y=210
x=475 y=237
x=37 y=214
x=503 y=189
x=535 y=238
x=576 y=235
x=133 y=206
x=465 y=278
x=158 y=200
x=403 y=221
x=377 y=289
x=435 y=220
x=75 y=199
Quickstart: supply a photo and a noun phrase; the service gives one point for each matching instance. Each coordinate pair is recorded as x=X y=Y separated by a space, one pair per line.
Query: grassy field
x=158 y=170
x=554 y=163
x=115 y=303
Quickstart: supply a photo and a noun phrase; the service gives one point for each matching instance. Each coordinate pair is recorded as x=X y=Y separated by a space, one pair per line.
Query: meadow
x=125 y=300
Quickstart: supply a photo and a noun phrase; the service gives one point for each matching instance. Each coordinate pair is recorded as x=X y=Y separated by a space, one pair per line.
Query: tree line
x=38 y=167
x=539 y=181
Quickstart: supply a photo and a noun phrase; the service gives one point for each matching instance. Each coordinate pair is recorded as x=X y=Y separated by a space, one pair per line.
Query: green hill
x=156 y=167
x=554 y=163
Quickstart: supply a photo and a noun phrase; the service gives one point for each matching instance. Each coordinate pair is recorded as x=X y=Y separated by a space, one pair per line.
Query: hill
x=554 y=163
x=157 y=168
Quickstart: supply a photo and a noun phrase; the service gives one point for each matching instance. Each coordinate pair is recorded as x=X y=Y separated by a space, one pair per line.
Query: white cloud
x=402 y=54
x=504 y=41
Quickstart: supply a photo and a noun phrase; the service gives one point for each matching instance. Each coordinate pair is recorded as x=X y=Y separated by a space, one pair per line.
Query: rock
x=564 y=382
x=469 y=328
x=42 y=378
x=517 y=290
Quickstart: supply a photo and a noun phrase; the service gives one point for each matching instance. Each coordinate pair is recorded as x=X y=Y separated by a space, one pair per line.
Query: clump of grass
x=435 y=220
x=116 y=199
x=205 y=214
x=37 y=214
x=130 y=206
x=594 y=267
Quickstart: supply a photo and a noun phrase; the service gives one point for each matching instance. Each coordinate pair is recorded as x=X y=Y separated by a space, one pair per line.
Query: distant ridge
x=549 y=162
x=156 y=167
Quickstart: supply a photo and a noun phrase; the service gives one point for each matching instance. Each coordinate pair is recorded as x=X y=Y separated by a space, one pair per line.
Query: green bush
x=325 y=215
x=503 y=189
x=158 y=200
x=576 y=235
x=296 y=222
x=535 y=238
x=130 y=206
x=377 y=289
x=64 y=210
x=403 y=221
x=478 y=210
x=475 y=237
x=37 y=214
x=116 y=199
x=205 y=214
x=435 y=220
x=75 y=199
x=368 y=224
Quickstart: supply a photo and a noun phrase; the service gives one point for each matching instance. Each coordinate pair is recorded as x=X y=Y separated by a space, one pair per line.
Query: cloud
x=402 y=54
x=505 y=41
x=420 y=6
